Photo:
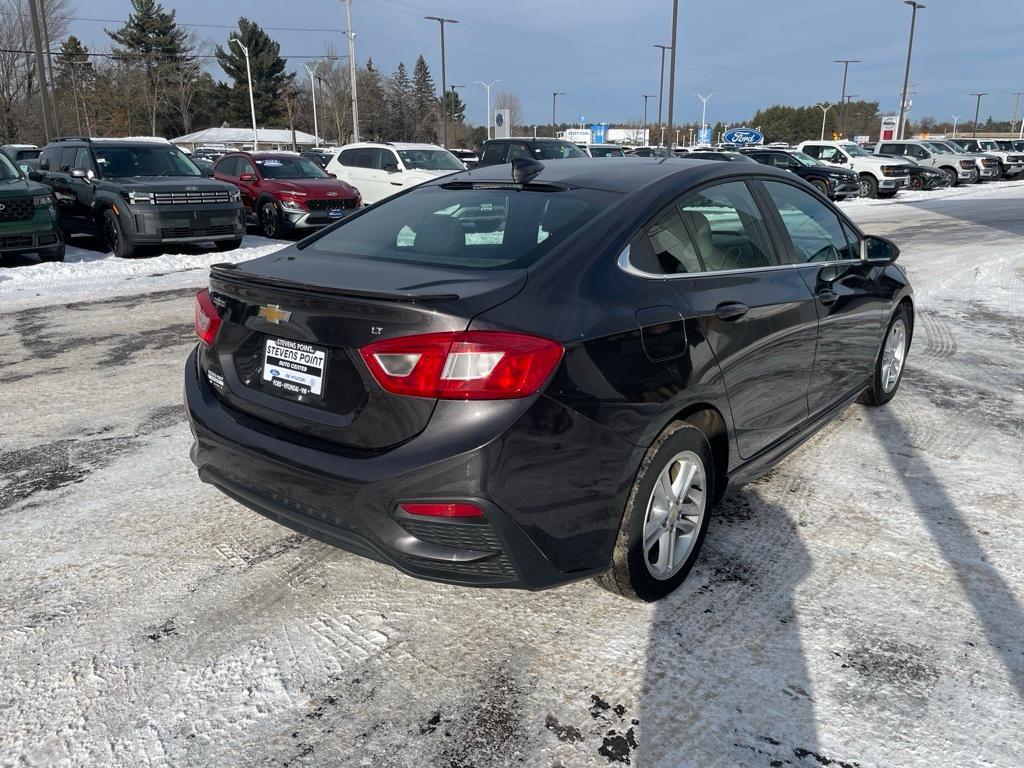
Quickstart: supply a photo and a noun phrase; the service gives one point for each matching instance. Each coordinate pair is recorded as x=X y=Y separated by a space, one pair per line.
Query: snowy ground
x=861 y=606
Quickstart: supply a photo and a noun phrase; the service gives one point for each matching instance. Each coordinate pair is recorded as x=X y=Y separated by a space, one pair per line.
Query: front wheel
x=113 y=236
x=666 y=516
x=821 y=186
x=868 y=186
x=916 y=183
x=890 y=363
x=270 y=220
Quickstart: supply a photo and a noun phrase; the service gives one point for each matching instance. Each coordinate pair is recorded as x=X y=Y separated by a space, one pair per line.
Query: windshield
x=805 y=159
x=606 y=152
x=7 y=169
x=468 y=228
x=855 y=150
x=430 y=160
x=289 y=168
x=556 y=150
x=988 y=145
x=28 y=154
x=117 y=162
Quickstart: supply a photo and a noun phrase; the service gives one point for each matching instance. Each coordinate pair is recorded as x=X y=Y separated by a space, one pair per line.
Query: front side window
x=430 y=160
x=156 y=160
x=468 y=228
x=7 y=169
x=289 y=168
x=728 y=229
x=814 y=229
x=82 y=159
x=245 y=167
x=67 y=159
x=494 y=154
x=228 y=167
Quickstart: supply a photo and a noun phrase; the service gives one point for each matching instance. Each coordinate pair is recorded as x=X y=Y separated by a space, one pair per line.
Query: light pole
x=977 y=110
x=554 y=98
x=906 y=74
x=824 y=112
x=488 y=87
x=672 y=65
x=956 y=120
x=645 y=97
x=703 y=110
x=252 y=102
x=444 y=116
x=352 y=69
x=312 y=87
x=842 y=99
x=661 y=90
x=1016 y=106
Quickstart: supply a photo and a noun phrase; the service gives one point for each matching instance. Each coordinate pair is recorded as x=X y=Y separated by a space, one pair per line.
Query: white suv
x=879 y=177
x=381 y=169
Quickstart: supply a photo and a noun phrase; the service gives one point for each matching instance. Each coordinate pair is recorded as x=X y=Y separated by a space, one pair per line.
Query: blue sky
x=750 y=53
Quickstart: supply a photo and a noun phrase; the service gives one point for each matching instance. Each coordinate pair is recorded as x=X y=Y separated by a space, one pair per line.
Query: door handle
x=828 y=297
x=396 y=183
x=731 y=310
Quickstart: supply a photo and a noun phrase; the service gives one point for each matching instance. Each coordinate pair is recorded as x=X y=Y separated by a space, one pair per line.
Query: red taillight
x=468 y=365
x=443 y=510
x=207 y=319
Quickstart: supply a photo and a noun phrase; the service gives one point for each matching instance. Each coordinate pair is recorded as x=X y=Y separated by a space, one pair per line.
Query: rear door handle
x=828 y=297
x=396 y=183
x=731 y=310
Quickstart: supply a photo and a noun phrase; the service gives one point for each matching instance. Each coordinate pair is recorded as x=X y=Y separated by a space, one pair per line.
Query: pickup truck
x=878 y=176
x=957 y=169
x=1011 y=162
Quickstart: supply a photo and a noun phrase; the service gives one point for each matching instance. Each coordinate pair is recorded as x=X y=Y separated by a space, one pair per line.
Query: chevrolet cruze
x=529 y=374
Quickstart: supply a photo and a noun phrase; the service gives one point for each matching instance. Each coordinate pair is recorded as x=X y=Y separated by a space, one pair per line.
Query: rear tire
x=670 y=517
x=891 y=361
x=868 y=186
x=113 y=237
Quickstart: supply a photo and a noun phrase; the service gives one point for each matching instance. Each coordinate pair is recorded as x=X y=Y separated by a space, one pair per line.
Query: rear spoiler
x=232 y=275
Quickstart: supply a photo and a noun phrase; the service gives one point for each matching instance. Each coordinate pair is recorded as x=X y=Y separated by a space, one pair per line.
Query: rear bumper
x=551 y=484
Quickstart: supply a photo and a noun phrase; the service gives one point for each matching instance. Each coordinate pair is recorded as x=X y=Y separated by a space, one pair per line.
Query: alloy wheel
x=865 y=188
x=268 y=218
x=894 y=354
x=675 y=512
x=112 y=235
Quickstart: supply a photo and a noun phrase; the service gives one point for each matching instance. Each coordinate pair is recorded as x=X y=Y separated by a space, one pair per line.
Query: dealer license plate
x=293 y=368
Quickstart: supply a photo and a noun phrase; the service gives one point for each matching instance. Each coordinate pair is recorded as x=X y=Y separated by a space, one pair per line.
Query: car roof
x=528 y=138
x=392 y=145
x=617 y=175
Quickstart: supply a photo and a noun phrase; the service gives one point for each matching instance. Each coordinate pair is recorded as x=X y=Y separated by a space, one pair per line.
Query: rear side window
x=671 y=244
x=814 y=229
x=348 y=157
x=891 y=149
x=466 y=228
x=812 y=150
x=728 y=229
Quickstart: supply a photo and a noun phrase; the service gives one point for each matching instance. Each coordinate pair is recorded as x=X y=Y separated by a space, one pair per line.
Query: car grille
x=17 y=209
x=1016 y=158
x=219 y=229
x=498 y=565
x=330 y=205
x=16 y=241
x=191 y=198
x=478 y=536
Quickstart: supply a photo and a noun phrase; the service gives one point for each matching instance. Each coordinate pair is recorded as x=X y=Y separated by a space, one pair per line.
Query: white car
x=879 y=177
x=381 y=169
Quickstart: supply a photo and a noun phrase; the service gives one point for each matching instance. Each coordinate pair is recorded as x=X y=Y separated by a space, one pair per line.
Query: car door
x=65 y=190
x=754 y=309
x=248 y=184
x=848 y=296
x=393 y=172
x=84 y=189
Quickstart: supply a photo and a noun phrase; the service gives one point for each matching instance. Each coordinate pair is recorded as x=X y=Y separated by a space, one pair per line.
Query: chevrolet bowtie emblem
x=274 y=314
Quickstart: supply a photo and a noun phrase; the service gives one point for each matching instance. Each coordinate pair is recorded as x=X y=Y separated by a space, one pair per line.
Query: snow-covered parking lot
x=862 y=606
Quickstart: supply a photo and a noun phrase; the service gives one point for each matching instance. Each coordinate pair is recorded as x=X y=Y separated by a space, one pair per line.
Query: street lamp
x=672 y=64
x=488 y=87
x=906 y=74
x=824 y=113
x=252 y=102
x=554 y=97
x=704 y=110
x=661 y=90
x=842 y=99
x=312 y=88
x=444 y=117
x=956 y=121
x=977 y=110
x=645 y=97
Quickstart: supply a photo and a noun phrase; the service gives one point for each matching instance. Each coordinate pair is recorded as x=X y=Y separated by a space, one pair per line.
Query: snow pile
x=89 y=275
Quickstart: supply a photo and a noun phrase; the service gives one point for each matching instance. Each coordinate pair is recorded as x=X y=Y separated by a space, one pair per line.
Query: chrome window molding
x=627 y=266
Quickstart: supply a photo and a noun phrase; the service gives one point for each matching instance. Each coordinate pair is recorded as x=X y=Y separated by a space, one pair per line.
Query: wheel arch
x=711 y=421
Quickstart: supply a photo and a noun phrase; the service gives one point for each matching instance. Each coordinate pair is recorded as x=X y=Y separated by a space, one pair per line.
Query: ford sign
x=743 y=136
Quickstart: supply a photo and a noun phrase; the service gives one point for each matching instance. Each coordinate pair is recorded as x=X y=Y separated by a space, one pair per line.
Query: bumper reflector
x=443 y=510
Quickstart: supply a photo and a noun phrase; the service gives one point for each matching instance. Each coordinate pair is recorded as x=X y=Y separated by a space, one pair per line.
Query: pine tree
x=74 y=80
x=269 y=78
x=424 y=102
x=373 y=107
x=400 y=105
x=151 y=41
x=454 y=107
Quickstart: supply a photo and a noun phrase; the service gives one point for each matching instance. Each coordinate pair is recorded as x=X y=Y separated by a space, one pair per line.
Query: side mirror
x=34 y=175
x=391 y=167
x=878 y=250
x=247 y=177
x=333 y=175
x=79 y=173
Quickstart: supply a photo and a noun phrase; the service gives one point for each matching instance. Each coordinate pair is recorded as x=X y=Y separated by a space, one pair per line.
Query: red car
x=282 y=191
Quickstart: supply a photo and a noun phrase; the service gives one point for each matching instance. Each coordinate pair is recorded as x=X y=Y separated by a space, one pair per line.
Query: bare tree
x=511 y=102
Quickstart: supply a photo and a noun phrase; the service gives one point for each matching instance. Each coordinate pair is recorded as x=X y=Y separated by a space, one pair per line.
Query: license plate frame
x=294 y=370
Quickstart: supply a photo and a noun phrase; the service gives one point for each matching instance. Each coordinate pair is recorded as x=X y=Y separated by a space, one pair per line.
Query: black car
x=528 y=374
x=22 y=154
x=138 y=193
x=649 y=152
x=832 y=182
x=922 y=178
x=498 y=151
x=319 y=156
x=717 y=154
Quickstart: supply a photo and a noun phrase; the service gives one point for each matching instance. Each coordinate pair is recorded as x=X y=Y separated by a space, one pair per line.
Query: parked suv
x=283 y=192
x=135 y=193
x=834 y=183
x=878 y=177
x=1011 y=161
x=22 y=154
x=498 y=151
x=381 y=169
x=28 y=216
x=920 y=152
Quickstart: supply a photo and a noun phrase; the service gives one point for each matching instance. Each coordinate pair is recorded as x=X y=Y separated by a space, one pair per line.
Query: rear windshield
x=471 y=228
x=28 y=154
